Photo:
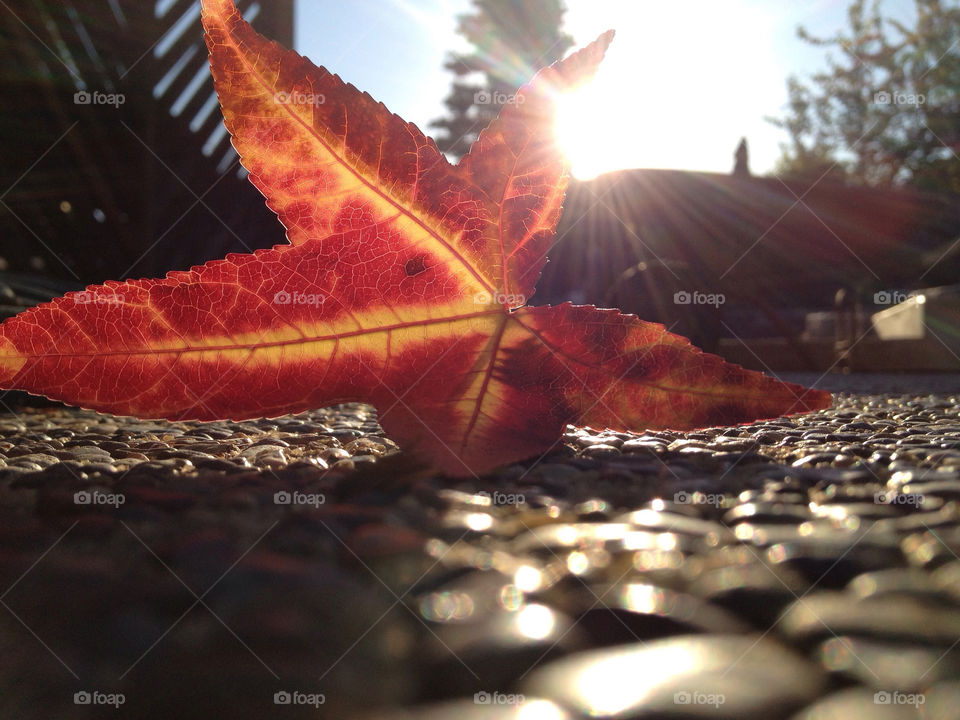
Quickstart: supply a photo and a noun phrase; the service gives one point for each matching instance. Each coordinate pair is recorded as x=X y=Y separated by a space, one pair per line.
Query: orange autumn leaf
x=404 y=285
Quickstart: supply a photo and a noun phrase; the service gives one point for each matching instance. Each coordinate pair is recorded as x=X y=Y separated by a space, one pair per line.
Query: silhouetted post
x=741 y=167
x=845 y=337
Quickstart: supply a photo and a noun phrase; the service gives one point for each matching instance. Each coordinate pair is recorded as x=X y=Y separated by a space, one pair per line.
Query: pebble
x=650 y=519
x=756 y=677
x=767 y=512
x=907 y=582
x=832 y=564
x=600 y=451
x=907 y=667
x=756 y=592
x=887 y=617
x=941 y=700
x=859 y=704
x=642 y=447
x=815 y=459
x=506 y=646
x=639 y=612
x=478 y=708
x=33 y=461
x=932 y=548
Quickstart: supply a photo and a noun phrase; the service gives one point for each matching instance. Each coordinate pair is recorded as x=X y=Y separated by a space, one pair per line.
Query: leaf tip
x=605 y=38
x=217 y=7
x=812 y=400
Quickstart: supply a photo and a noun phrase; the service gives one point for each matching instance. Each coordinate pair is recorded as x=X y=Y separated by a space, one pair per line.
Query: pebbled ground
x=797 y=568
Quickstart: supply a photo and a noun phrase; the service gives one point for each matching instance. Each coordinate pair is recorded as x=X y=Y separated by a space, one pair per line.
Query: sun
x=585 y=131
x=680 y=85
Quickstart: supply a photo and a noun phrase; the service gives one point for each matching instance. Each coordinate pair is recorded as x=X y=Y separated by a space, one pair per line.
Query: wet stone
x=887 y=665
x=638 y=612
x=889 y=617
x=655 y=679
x=264 y=454
x=365 y=446
x=815 y=459
x=758 y=593
x=855 y=510
x=846 y=492
x=25 y=466
x=945 y=489
x=333 y=454
x=642 y=447
x=550 y=538
x=470 y=598
x=650 y=519
x=941 y=700
x=910 y=583
x=947 y=579
x=498 y=651
x=270 y=442
x=831 y=564
x=101 y=468
x=33 y=461
x=591 y=441
x=600 y=451
x=860 y=704
x=129 y=455
x=222 y=465
x=932 y=548
x=488 y=704
x=773 y=494
x=761 y=512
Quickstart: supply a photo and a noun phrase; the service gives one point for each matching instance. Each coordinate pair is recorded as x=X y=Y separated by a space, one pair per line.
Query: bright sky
x=682 y=83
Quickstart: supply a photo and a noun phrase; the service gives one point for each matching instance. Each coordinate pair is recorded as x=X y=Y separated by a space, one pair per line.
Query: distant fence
x=114 y=161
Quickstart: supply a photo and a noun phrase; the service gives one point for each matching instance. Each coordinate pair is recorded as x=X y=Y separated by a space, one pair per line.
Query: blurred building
x=758 y=240
x=775 y=250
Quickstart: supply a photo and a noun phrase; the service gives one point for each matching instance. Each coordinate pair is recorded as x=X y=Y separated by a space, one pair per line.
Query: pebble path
x=803 y=568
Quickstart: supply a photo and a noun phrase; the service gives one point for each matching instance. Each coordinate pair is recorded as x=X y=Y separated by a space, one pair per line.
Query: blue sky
x=686 y=79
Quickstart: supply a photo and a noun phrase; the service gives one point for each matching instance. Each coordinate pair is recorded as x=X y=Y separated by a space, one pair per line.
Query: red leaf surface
x=402 y=286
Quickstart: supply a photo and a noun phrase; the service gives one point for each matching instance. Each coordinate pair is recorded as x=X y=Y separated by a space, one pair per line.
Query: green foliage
x=511 y=41
x=885 y=110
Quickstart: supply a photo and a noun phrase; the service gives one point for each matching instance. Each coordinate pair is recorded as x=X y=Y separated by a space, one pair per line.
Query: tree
x=511 y=40
x=885 y=111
